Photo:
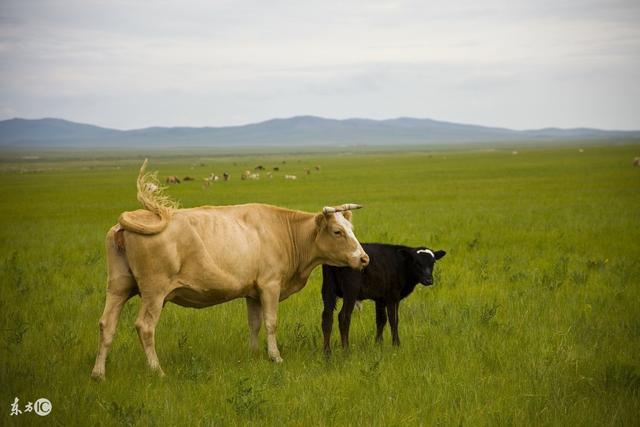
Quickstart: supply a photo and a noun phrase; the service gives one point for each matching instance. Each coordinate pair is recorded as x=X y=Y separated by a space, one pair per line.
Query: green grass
x=534 y=318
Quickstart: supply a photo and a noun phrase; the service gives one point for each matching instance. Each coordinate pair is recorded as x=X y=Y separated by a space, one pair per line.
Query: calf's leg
x=392 y=311
x=381 y=320
x=329 y=301
x=148 y=316
x=344 y=318
x=254 y=316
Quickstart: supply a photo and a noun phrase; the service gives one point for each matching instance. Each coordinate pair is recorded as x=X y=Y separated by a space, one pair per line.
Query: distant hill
x=294 y=131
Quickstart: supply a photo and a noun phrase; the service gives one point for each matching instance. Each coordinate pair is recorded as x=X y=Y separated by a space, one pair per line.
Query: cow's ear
x=321 y=220
x=347 y=215
x=439 y=254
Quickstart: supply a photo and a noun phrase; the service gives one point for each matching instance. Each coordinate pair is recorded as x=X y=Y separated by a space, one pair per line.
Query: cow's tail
x=152 y=198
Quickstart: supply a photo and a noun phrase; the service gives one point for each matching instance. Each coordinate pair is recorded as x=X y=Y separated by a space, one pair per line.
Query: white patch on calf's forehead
x=426 y=251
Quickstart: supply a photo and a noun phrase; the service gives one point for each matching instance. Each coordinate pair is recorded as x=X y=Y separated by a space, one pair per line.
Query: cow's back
x=200 y=244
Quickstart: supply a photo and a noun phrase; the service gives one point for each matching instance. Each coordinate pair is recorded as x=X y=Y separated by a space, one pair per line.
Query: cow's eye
x=337 y=232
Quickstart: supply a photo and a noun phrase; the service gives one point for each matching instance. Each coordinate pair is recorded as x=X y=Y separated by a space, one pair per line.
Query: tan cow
x=208 y=255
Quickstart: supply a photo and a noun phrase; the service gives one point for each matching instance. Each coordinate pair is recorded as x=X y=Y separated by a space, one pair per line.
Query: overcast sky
x=131 y=64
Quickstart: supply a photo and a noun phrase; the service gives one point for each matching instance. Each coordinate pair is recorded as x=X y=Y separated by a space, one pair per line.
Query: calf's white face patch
x=426 y=251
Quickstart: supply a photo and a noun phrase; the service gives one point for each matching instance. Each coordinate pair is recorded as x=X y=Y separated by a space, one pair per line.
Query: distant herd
x=247 y=175
x=199 y=257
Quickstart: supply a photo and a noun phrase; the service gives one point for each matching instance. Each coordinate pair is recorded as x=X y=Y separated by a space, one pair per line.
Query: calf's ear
x=439 y=254
x=406 y=253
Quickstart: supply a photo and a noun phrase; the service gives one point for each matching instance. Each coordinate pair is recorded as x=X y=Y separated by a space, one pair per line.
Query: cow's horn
x=345 y=207
x=350 y=207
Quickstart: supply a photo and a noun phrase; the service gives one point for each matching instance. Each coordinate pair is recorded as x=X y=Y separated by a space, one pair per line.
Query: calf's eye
x=337 y=232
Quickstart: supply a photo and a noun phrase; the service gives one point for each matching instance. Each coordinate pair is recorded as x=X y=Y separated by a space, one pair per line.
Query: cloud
x=131 y=63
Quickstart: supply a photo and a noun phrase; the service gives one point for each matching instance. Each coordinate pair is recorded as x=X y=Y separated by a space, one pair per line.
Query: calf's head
x=335 y=240
x=421 y=262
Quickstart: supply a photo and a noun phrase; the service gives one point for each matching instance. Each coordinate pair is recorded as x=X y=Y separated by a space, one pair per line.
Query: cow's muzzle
x=363 y=261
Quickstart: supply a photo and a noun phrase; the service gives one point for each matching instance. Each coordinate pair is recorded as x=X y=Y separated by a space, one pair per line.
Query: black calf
x=392 y=274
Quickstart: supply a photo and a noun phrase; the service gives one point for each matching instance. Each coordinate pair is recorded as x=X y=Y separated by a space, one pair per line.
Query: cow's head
x=337 y=244
x=421 y=262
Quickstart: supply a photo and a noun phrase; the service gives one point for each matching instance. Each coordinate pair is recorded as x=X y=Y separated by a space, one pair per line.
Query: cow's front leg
x=254 y=317
x=269 y=298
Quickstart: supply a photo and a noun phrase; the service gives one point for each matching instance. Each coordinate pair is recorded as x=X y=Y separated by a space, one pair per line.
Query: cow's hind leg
x=120 y=287
x=254 y=317
x=118 y=294
x=148 y=316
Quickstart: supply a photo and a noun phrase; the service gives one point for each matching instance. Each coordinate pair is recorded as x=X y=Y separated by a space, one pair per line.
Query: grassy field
x=534 y=318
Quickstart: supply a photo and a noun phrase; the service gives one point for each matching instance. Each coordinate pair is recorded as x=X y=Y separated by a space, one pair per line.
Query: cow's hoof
x=158 y=371
x=97 y=376
x=276 y=359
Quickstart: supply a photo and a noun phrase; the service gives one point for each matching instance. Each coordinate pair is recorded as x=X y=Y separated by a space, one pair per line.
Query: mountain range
x=294 y=131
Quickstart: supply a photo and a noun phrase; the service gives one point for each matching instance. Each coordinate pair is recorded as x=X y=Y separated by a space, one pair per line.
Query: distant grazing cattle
x=307 y=171
x=188 y=178
x=581 y=150
x=317 y=168
x=211 y=178
x=259 y=168
x=245 y=175
x=636 y=161
x=173 y=180
x=392 y=274
x=276 y=169
x=226 y=176
x=165 y=254
x=290 y=177
x=269 y=175
x=514 y=152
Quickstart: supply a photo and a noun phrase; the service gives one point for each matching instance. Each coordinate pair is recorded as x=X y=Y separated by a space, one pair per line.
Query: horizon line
x=322 y=118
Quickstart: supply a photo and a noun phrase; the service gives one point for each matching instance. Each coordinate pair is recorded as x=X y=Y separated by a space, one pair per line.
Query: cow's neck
x=304 y=256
